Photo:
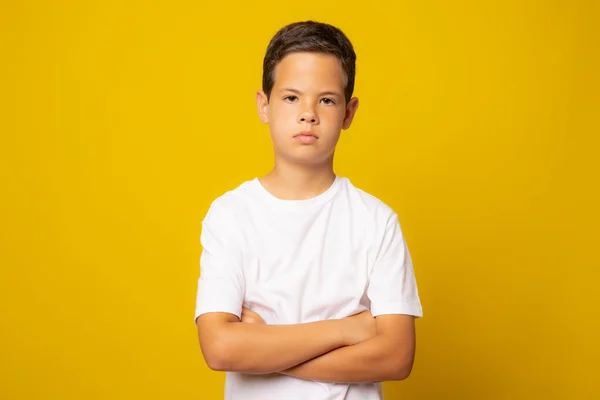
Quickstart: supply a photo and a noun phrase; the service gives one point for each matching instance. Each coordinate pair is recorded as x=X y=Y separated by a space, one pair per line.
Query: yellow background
x=122 y=120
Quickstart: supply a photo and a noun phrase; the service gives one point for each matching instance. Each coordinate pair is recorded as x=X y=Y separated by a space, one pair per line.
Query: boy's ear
x=350 y=111
x=262 y=104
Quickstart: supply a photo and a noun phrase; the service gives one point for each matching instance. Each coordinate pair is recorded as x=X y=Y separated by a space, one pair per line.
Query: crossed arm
x=386 y=356
x=354 y=349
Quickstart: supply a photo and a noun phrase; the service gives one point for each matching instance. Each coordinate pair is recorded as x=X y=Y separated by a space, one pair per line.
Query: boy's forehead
x=309 y=69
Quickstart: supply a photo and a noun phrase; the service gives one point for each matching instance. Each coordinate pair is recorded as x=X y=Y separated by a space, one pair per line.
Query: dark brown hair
x=311 y=37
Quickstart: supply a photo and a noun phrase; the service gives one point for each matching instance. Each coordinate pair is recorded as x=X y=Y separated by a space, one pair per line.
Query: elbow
x=215 y=343
x=400 y=368
x=402 y=373
x=216 y=363
x=217 y=356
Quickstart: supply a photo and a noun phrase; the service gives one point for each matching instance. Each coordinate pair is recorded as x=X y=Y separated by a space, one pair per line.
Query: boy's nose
x=308 y=117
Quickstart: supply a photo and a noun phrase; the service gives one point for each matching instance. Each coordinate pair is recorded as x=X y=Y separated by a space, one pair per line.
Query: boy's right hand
x=359 y=327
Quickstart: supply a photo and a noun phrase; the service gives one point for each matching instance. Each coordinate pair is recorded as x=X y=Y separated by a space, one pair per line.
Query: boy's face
x=307 y=108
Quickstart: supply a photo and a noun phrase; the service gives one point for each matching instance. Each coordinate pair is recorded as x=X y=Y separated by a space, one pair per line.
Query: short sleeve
x=221 y=283
x=392 y=285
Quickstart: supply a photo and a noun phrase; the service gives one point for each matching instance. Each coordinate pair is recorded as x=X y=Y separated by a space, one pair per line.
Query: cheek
x=279 y=116
x=334 y=116
x=280 y=124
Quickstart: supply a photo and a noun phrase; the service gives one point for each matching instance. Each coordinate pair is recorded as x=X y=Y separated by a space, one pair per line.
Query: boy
x=307 y=289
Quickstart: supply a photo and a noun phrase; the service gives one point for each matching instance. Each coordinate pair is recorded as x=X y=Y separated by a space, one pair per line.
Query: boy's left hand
x=251 y=317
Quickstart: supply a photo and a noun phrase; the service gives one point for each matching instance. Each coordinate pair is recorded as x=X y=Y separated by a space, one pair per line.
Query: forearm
x=261 y=349
x=370 y=361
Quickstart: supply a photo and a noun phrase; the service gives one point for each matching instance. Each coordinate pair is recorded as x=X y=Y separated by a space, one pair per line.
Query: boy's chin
x=306 y=157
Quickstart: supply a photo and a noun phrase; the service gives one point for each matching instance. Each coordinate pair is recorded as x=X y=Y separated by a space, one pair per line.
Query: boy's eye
x=327 y=101
x=290 y=99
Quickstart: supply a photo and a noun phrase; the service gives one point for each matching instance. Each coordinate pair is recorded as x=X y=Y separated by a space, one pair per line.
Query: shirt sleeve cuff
x=413 y=309
x=217 y=297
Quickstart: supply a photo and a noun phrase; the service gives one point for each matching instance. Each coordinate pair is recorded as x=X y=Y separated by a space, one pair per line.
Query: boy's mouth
x=307 y=133
x=306 y=137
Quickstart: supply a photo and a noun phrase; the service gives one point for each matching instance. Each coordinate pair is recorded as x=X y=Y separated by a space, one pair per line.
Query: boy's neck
x=298 y=182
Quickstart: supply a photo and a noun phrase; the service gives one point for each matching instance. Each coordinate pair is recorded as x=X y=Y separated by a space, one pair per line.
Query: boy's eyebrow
x=327 y=92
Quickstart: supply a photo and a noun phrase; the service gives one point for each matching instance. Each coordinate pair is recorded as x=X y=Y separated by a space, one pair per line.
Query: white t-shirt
x=297 y=261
